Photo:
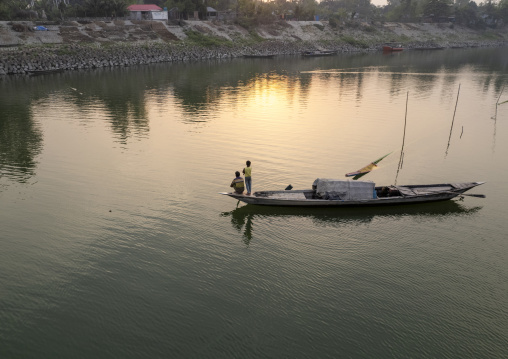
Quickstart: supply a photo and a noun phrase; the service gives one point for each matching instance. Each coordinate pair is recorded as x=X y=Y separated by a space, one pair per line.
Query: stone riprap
x=70 y=57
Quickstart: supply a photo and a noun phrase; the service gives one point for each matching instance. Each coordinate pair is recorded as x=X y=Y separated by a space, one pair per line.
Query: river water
x=115 y=243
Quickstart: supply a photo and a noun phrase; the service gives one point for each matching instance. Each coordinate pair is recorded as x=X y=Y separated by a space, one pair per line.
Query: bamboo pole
x=453 y=120
x=401 y=159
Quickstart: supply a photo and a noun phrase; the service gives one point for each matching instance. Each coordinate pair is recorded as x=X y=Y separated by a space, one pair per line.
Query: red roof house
x=143 y=7
x=147 y=12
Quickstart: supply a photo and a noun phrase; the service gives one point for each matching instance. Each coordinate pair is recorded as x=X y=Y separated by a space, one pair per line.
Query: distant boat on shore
x=392 y=48
x=319 y=53
x=43 y=72
x=259 y=56
x=428 y=48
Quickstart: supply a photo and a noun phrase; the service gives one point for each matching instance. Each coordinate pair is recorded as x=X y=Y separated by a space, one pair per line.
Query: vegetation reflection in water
x=197 y=89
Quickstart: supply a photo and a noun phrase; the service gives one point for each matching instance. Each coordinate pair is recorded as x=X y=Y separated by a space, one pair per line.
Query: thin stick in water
x=401 y=159
x=497 y=102
x=495 y=119
x=453 y=120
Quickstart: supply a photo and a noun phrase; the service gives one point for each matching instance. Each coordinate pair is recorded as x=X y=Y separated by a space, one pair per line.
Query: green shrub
x=336 y=20
x=319 y=26
x=369 y=28
x=352 y=24
x=248 y=23
x=352 y=41
x=198 y=38
x=65 y=50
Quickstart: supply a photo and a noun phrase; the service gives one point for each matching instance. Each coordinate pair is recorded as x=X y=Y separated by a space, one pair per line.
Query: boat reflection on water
x=243 y=218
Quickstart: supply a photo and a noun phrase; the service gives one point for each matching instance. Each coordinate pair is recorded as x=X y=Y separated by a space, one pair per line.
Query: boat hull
x=319 y=53
x=303 y=198
x=391 y=49
x=259 y=56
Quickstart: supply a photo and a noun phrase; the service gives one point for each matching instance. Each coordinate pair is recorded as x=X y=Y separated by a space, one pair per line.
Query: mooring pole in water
x=495 y=119
x=497 y=103
x=401 y=159
x=499 y=96
x=453 y=120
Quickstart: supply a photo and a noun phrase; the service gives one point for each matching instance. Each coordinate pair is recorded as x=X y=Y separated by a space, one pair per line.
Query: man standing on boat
x=247 y=171
x=237 y=183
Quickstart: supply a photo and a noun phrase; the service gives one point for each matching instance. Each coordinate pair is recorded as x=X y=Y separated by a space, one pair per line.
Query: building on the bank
x=174 y=14
x=147 y=12
x=226 y=15
x=211 y=13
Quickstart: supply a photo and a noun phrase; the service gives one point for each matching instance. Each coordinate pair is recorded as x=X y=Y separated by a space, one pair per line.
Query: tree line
x=252 y=12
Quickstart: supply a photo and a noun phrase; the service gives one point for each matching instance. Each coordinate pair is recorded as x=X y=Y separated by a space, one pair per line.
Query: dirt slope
x=290 y=31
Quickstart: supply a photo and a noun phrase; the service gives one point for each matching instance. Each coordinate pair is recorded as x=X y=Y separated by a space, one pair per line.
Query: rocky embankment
x=86 y=44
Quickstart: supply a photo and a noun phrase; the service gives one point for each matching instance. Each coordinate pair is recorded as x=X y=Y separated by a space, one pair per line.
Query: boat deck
x=382 y=195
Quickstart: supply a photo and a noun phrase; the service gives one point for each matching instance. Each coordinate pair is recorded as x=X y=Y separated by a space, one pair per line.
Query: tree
x=437 y=8
x=404 y=10
x=363 y=8
x=15 y=9
x=466 y=13
x=118 y=7
x=104 y=8
x=308 y=9
x=503 y=10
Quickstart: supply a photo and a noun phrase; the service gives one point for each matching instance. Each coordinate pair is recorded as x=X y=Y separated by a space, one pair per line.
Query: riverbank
x=87 y=44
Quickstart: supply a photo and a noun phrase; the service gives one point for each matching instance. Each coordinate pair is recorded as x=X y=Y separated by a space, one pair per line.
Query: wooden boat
x=335 y=193
x=428 y=48
x=44 y=72
x=259 y=56
x=319 y=53
x=391 y=48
